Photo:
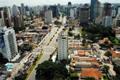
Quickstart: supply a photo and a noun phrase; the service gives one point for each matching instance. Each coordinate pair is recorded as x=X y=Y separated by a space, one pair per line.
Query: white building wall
x=10 y=49
x=48 y=16
x=107 y=21
x=6 y=49
x=113 y=13
x=2 y=19
x=62 y=47
x=72 y=13
x=119 y=11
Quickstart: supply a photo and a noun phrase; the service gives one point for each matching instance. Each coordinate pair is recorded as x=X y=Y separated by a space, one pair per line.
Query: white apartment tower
x=8 y=45
x=72 y=13
x=62 y=46
x=48 y=16
x=107 y=21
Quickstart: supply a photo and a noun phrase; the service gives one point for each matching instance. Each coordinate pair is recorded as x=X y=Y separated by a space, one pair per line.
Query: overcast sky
x=47 y=2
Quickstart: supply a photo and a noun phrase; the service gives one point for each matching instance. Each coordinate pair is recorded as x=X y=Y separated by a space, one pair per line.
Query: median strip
x=33 y=65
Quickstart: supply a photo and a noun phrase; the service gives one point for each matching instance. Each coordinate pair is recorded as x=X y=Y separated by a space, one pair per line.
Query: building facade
x=16 y=17
x=84 y=14
x=8 y=45
x=62 y=46
x=107 y=21
x=55 y=10
x=48 y=16
x=93 y=9
x=6 y=16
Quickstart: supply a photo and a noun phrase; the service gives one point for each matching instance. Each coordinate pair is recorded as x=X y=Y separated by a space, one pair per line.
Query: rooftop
x=115 y=54
x=91 y=72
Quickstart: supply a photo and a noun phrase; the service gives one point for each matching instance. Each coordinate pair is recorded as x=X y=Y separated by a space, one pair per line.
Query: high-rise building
x=6 y=16
x=84 y=14
x=99 y=17
x=62 y=46
x=107 y=21
x=22 y=9
x=113 y=14
x=118 y=11
x=107 y=15
x=16 y=17
x=107 y=9
x=98 y=9
x=27 y=11
x=1 y=18
x=117 y=21
x=93 y=9
x=48 y=16
x=72 y=13
x=69 y=7
x=8 y=45
x=55 y=11
x=69 y=4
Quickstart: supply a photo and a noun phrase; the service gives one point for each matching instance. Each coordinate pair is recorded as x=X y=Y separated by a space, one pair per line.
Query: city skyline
x=49 y=2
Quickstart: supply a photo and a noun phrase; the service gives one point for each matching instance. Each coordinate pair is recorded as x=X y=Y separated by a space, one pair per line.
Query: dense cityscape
x=60 y=42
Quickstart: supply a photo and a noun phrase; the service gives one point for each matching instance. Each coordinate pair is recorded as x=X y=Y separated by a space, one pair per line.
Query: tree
x=77 y=37
x=89 y=78
x=17 y=29
x=57 y=23
x=83 y=42
x=108 y=54
x=70 y=33
x=25 y=47
x=20 y=77
x=2 y=59
x=106 y=68
x=49 y=70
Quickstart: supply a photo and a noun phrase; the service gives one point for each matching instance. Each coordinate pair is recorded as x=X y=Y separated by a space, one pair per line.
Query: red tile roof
x=91 y=72
x=115 y=54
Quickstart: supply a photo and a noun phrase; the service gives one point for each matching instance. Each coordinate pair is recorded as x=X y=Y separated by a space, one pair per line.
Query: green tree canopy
x=89 y=78
x=49 y=70
x=2 y=59
x=106 y=68
x=108 y=54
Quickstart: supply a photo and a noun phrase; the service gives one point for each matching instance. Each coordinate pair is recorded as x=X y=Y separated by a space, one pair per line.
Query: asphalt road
x=48 y=47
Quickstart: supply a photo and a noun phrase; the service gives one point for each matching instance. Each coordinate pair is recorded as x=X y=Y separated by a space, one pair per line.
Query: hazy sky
x=46 y=2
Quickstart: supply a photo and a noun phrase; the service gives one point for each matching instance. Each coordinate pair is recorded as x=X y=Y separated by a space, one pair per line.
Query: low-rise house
x=91 y=72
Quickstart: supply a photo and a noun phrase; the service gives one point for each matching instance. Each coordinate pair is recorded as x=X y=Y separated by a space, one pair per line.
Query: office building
x=107 y=21
x=6 y=16
x=113 y=12
x=2 y=18
x=22 y=9
x=118 y=10
x=27 y=11
x=93 y=9
x=69 y=7
x=117 y=21
x=8 y=45
x=84 y=14
x=107 y=9
x=48 y=16
x=72 y=13
x=99 y=18
x=16 y=17
x=62 y=46
x=107 y=15
x=55 y=10
x=69 y=4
